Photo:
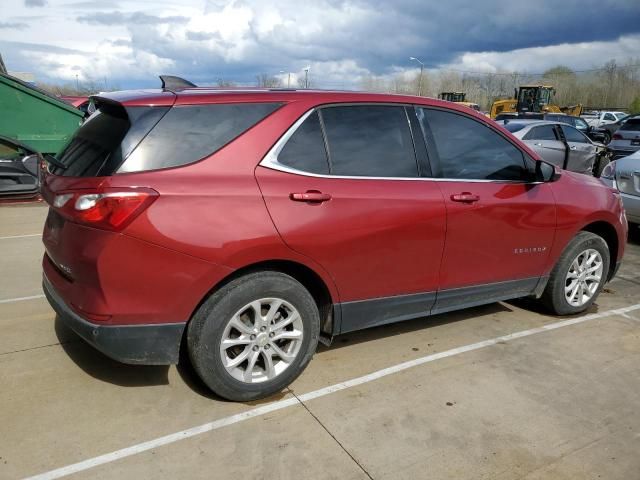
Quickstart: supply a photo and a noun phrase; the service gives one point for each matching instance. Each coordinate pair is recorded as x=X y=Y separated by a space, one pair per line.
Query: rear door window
x=369 y=141
x=467 y=149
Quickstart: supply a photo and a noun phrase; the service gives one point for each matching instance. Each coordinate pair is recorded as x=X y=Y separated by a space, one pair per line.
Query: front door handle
x=573 y=147
x=465 y=197
x=311 y=196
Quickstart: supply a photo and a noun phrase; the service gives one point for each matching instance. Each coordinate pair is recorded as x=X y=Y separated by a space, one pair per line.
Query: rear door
x=343 y=187
x=500 y=223
x=545 y=140
x=582 y=152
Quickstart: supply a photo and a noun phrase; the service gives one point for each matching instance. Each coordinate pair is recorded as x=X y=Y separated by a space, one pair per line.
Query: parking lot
x=498 y=392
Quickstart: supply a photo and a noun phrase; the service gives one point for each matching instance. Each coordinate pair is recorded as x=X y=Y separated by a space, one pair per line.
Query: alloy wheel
x=584 y=277
x=261 y=340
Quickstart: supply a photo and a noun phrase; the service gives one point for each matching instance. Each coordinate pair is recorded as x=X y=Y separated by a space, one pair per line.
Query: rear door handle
x=465 y=197
x=311 y=196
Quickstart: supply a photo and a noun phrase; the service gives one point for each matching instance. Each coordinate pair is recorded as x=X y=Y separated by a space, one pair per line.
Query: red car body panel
x=373 y=239
x=378 y=238
x=507 y=234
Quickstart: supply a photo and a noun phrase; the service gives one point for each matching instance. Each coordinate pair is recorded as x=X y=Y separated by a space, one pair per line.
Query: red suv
x=247 y=225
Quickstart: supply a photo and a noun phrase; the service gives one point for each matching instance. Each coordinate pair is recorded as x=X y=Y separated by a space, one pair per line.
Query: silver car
x=626 y=139
x=624 y=174
x=560 y=144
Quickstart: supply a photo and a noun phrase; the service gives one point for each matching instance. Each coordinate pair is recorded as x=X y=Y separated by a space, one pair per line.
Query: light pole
x=421 y=70
x=306 y=77
x=288 y=78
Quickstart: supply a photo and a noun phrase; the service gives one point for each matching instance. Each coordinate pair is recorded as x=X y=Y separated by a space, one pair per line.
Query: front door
x=500 y=224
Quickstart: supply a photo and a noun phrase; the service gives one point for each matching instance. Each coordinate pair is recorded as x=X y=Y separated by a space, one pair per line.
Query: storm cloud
x=339 y=39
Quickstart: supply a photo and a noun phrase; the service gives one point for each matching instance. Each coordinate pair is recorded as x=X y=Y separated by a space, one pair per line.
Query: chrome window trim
x=270 y=160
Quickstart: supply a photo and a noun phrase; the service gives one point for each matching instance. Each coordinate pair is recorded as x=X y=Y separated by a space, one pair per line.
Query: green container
x=35 y=118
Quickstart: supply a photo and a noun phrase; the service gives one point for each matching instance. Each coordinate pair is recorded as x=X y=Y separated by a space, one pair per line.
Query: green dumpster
x=35 y=118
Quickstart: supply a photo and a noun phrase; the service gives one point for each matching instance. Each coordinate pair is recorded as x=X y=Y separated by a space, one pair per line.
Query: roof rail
x=170 y=82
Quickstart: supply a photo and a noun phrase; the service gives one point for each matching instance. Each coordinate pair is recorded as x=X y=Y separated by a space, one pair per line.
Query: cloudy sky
x=129 y=42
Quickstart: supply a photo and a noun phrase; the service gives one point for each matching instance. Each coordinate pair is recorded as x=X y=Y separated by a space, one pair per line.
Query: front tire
x=579 y=276
x=254 y=336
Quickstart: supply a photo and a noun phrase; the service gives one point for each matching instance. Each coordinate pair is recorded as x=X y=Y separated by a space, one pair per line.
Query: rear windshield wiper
x=54 y=161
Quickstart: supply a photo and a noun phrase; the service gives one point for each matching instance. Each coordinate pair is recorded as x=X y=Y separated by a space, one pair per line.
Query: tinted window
x=573 y=135
x=188 y=133
x=305 y=149
x=633 y=125
x=543 y=132
x=99 y=147
x=468 y=149
x=372 y=141
x=608 y=116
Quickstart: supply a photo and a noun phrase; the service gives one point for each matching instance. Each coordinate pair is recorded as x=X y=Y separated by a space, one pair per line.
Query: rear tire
x=607 y=138
x=579 y=275
x=254 y=336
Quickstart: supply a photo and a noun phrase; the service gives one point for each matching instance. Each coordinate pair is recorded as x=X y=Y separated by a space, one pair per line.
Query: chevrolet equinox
x=244 y=226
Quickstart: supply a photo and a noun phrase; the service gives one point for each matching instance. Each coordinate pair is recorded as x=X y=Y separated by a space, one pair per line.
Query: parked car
x=609 y=129
x=245 y=226
x=593 y=133
x=604 y=118
x=561 y=144
x=18 y=170
x=624 y=174
x=626 y=140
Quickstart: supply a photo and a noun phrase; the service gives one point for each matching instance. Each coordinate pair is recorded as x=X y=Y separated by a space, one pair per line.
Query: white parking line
x=281 y=404
x=21 y=236
x=21 y=299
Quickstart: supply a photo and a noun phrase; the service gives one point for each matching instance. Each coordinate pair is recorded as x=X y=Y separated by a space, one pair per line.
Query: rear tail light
x=616 y=136
x=109 y=209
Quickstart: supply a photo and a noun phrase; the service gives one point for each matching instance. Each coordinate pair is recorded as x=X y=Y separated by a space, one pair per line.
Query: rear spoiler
x=170 y=82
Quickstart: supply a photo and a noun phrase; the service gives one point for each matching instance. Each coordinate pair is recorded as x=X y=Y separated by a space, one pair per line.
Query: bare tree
x=268 y=81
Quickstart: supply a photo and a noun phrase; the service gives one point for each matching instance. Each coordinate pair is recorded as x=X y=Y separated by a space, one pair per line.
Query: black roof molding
x=170 y=82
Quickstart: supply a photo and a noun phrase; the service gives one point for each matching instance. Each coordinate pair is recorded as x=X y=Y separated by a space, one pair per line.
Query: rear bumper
x=157 y=344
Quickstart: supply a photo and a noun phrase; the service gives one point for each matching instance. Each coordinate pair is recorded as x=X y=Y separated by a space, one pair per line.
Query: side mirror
x=546 y=172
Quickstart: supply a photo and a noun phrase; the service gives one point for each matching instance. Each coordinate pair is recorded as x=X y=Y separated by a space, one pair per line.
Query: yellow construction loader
x=458 y=97
x=532 y=99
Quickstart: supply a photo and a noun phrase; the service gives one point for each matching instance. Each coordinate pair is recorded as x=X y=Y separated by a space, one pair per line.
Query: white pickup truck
x=603 y=118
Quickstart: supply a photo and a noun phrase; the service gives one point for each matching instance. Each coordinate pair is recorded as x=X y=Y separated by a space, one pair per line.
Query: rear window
x=134 y=139
x=633 y=125
x=514 y=127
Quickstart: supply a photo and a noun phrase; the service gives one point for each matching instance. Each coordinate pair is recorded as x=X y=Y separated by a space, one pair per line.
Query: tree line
x=612 y=86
